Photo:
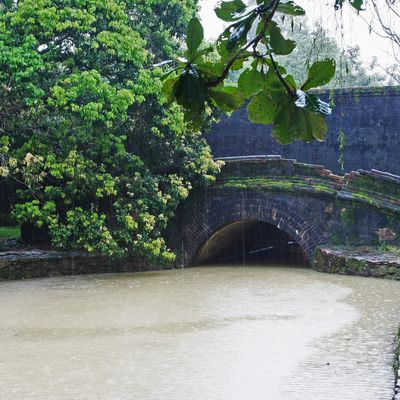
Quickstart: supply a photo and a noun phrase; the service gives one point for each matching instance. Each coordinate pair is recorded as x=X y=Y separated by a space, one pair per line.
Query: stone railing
x=374 y=188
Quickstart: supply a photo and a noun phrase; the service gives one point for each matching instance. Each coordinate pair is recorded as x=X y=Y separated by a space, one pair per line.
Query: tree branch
x=280 y=77
x=254 y=42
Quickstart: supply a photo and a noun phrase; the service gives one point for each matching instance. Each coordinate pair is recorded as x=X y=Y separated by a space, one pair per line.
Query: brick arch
x=214 y=215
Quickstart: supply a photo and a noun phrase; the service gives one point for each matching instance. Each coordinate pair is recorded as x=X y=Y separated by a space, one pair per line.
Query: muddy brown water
x=204 y=333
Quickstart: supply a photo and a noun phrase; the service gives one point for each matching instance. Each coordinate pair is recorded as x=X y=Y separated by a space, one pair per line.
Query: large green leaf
x=320 y=73
x=191 y=91
x=227 y=98
x=251 y=81
x=290 y=8
x=230 y=10
x=357 y=4
x=199 y=54
x=195 y=35
x=319 y=126
x=168 y=89
x=239 y=33
x=279 y=44
x=210 y=70
x=263 y=107
x=234 y=37
x=291 y=82
x=293 y=123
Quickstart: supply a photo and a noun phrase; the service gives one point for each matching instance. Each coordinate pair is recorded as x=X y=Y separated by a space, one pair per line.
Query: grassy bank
x=9 y=232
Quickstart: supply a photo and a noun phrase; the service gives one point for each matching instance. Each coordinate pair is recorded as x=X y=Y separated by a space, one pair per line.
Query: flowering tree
x=96 y=159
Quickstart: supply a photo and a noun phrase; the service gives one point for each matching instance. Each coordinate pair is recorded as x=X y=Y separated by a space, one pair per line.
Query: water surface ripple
x=205 y=333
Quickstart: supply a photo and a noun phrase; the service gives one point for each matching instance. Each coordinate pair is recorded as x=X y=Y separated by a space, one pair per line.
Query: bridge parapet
x=274 y=173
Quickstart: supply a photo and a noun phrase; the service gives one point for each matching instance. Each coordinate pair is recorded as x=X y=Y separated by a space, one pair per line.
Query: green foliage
x=257 y=38
x=230 y=10
x=9 y=232
x=319 y=74
x=194 y=37
x=86 y=139
x=389 y=248
x=251 y=81
x=254 y=38
x=357 y=4
x=279 y=45
x=290 y=8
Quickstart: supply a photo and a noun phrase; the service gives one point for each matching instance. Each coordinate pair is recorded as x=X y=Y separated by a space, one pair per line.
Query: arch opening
x=251 y=242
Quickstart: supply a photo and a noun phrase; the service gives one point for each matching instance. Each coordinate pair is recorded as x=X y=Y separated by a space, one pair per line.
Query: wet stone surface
x=364 y=261
x=34 y=263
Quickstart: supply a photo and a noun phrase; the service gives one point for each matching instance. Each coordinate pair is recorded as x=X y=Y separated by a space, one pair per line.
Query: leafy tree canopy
x=254 y=39
x=96 y=157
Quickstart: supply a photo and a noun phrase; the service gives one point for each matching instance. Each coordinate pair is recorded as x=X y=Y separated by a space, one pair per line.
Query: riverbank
x=36 y=263
x=362 y=261
x=25 y=263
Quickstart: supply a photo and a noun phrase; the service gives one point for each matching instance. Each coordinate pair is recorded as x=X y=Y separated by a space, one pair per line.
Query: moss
x=324 y=189
x=368 y=199
x=258 y=183
x=393 y=270
x=354 y=265
x=372 y=184
x=356 y=194
x=287 y=184
x=389 y=248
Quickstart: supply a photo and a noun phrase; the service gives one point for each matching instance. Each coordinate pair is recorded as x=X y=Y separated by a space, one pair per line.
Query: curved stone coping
x=363 y=261
x=314 y=188
x=374 y=188
x=278 y=159
x=34 y=263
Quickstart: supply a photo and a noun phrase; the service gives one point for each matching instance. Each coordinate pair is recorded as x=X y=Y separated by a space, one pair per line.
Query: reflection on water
x=204 y=333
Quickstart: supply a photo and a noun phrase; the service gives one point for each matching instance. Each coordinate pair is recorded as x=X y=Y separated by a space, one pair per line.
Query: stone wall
x=20 y=264
x=363 y=261
x=369 y=117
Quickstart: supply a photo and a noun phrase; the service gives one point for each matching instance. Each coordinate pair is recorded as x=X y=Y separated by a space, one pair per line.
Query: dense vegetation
x=9 y=232
x=86 y=140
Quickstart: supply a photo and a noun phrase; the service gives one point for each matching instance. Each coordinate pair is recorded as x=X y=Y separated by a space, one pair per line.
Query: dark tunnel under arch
x=250 y=241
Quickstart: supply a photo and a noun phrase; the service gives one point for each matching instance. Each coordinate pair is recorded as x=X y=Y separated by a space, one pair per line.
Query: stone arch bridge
x=262 y=200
